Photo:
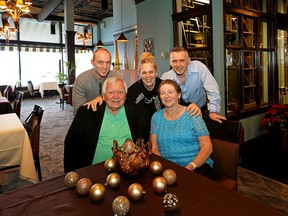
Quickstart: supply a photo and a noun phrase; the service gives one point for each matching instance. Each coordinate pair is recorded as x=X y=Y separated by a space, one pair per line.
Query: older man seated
x=91 y=134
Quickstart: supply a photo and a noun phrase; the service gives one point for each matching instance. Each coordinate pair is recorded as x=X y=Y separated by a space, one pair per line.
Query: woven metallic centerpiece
x=132 y=159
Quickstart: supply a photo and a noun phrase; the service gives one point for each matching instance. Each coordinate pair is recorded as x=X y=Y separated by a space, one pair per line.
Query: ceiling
x=85 y=11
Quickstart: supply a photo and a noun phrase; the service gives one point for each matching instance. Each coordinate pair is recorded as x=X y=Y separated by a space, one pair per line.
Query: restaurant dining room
x=45 y=45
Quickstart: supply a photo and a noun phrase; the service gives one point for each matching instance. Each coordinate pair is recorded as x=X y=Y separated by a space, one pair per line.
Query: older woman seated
x=179 y=137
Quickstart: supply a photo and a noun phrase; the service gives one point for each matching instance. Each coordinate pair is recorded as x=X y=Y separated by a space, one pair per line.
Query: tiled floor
x=265 y=190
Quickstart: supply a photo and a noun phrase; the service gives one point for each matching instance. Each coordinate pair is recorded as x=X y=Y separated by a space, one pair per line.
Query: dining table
x=15 y=147
x=196 y=195
x=5 y=106
x=48 y=86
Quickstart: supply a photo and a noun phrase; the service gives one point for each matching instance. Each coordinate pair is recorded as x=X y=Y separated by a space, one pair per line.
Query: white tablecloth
x=15 y=147
x=48 y=86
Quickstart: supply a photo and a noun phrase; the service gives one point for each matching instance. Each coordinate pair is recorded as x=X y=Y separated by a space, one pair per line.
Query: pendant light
x=122 y=38
x=99 y=44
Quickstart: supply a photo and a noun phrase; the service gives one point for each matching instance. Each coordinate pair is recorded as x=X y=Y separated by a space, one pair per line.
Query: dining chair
x=226 y=138
x=7 y=91
x=64 y=95
x=32 y=91
x=32 y=125
x=17 y=103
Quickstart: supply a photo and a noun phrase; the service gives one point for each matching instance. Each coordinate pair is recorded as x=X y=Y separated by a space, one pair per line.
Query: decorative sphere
x=113 y=180
x=120 y=206
x=159 y=184
x=155 y=167
x=110 y=165
x=170 y=176
x=135 y=191
x=170 y=202
x=83 y=186
x=97 y=192
x=71 y=179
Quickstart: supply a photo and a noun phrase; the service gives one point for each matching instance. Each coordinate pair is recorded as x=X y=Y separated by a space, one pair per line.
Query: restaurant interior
x=45 y=45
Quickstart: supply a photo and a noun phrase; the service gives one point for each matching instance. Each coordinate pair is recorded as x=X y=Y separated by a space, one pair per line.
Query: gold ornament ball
x=113 y=180
x=71 y=179
x=159 y=184
x=97 y=192
x=155 y=167
x=83 y=186
x=170 y=176
x=135 y=191
x=110 y=165
x=120 y=206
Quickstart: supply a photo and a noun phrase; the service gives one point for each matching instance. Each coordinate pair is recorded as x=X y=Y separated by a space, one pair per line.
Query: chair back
x=30 y=87
x=32 y=126
x=6 y=92
x=39 y=110
x=63 y=94
x=17 y=103
x=36 y=113
x=19 y=95
x=225 y=138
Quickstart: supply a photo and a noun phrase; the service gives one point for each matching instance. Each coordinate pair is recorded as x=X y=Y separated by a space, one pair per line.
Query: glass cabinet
x=248 y=59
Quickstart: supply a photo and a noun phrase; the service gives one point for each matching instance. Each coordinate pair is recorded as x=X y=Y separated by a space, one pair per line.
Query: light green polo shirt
x=113 y=127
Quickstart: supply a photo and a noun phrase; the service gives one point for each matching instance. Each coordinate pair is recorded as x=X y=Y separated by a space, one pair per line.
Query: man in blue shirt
x=196 y=82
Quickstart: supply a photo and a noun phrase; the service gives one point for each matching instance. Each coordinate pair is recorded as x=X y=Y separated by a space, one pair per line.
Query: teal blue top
x=113 y=127
x=178 y=139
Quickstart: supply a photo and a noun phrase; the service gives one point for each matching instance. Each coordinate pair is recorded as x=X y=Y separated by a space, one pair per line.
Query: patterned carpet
x=55 y=125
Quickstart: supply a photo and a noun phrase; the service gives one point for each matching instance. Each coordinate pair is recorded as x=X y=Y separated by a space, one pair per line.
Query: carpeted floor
x=55 y=125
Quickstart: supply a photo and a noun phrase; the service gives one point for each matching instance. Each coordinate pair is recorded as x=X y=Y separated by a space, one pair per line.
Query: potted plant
x=276 y=119
x=61 y=77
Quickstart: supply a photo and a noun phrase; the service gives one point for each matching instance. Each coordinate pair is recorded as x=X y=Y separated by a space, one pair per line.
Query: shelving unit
x=240 y=61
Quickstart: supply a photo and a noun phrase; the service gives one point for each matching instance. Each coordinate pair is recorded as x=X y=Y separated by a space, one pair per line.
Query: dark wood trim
x=247 y=12
x=282 y=20
x=198 y=11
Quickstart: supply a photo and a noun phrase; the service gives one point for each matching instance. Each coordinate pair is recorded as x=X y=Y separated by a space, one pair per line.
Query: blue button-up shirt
x=199 y=86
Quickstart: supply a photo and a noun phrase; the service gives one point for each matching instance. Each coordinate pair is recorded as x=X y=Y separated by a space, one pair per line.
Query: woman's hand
x=93 y=103
x=193 y=109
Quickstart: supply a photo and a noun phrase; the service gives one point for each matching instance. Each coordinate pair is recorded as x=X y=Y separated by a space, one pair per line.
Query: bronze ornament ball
x=129 y=146
x=71 y=179
x=155 y=167
x=120 y=206
x=170 y=202
x=83 y=186
x=113 y=180
x=170 y=176
x=159 y=184
x=97 y=192
x=110 y=165
x=135 y=191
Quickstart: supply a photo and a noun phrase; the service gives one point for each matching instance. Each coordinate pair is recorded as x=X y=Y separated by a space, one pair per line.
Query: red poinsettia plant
x=276 y=117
